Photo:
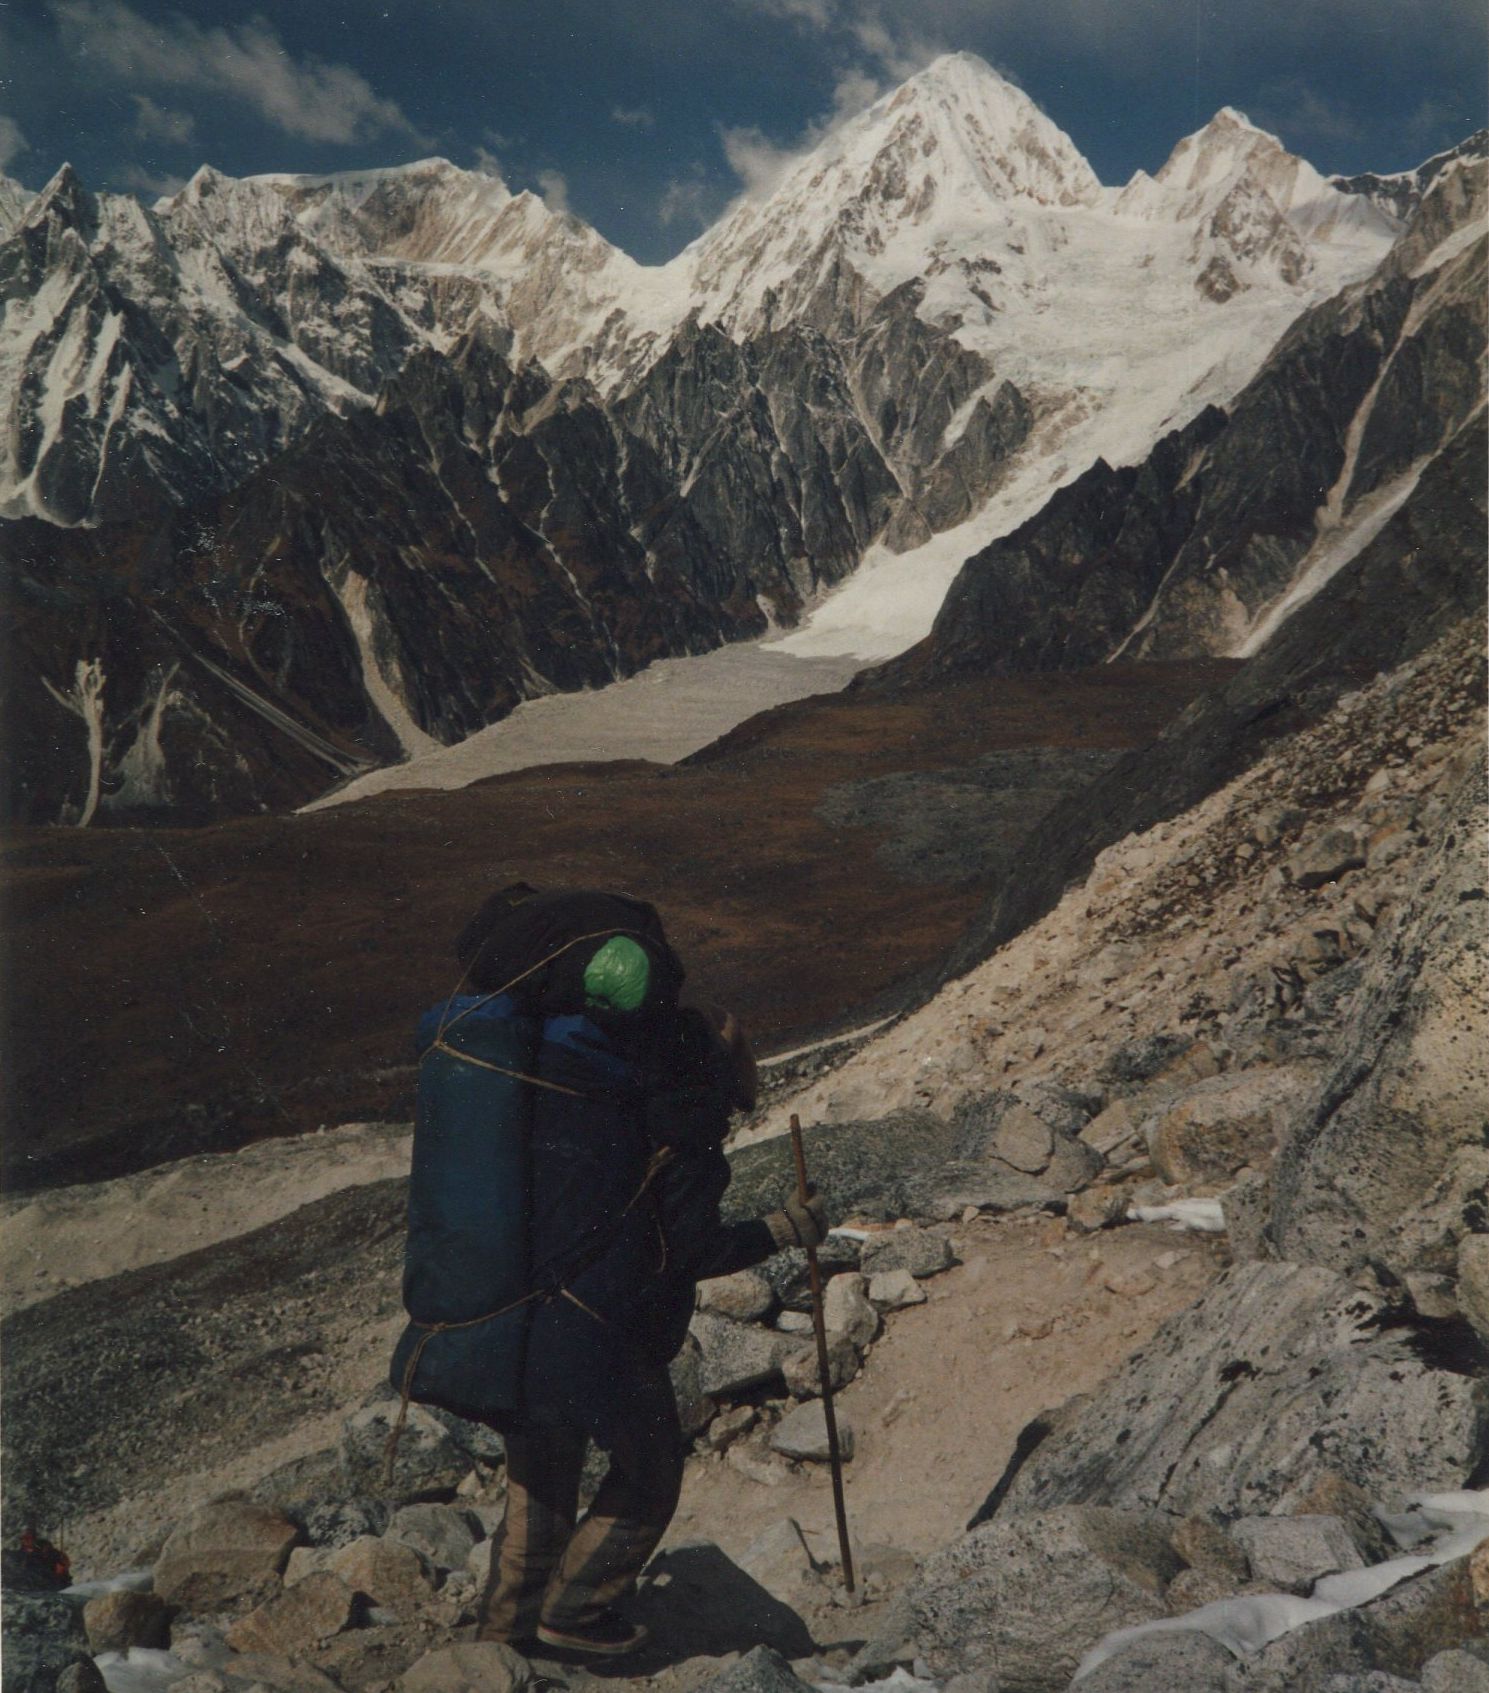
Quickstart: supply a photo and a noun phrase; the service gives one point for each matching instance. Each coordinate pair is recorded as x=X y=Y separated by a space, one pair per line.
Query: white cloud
x=143 y=181
x=1300 y=114
x=488 y=164
x=690 y=200
x=12 y=142
x=633 y=117
x=309 y=99
x=760 y=163
x=152 y=122
x=555 y=187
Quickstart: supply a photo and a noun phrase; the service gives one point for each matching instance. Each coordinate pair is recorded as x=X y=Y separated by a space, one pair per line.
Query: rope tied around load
x=658 y=1160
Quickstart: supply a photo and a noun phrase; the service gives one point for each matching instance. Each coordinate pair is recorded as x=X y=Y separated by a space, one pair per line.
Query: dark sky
x=646 y=116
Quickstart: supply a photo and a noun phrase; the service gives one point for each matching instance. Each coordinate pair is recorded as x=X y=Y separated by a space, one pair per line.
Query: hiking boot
x=608 y=1635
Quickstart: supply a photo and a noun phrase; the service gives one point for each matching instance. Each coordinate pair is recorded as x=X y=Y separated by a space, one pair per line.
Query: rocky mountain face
x=1233 y=521
x=645 y=461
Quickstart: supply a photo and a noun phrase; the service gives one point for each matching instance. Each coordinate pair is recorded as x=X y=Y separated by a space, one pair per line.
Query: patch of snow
x=127 y=1581
x=141 y=1669
x=1245 y=1625
x=665 y=712
x=1205 y=1216
x=393 y=709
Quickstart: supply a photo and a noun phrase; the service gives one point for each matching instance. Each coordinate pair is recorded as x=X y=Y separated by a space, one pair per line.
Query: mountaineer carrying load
x=564 y=1202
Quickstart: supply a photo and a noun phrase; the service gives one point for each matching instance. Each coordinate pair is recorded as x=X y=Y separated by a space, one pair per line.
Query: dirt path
x=1029 y=1318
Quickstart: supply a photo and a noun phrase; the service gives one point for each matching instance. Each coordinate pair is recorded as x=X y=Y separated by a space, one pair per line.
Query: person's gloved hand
x=798 y=1223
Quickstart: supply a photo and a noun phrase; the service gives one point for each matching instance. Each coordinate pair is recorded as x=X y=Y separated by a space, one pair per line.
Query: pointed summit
x=956 y=148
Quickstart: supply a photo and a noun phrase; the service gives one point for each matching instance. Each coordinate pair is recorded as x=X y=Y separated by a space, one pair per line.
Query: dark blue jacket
x=595 y=1185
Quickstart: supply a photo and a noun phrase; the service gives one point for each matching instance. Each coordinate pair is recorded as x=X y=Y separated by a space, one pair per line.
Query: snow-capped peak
x=953 y=148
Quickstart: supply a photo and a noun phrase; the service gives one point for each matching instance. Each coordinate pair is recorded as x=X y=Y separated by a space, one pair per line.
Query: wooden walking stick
x=824 y=1367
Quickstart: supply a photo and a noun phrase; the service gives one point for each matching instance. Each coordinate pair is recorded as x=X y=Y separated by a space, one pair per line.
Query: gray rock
x=736 y=1356
x=745 y=1296
x=42 y=1635
x=441 y=1532
x=893 y=1290
x=1398 y=1633
x=1176 y=1661
x=787 y=1271
x=729 y=1425
x=1293 y=1552
x=695 y=1408
x=391 y=1574
x=225 y=1555
x=1277 y=1376
x=1023 y=1140
x=987 y=1601
x=84 y=1676
x=430 y=1461
x=1369 y=1681
x=1333 y=854
x=760 y=1670
x=1456 y=1671
x=116 y=1621
x=476 y=1666
x=802 y=1373
x=1226 y=1123
x=315 y=1609
x=338 y=1524
x=919 y=1251
x=847 y=1310
x=802 y=1433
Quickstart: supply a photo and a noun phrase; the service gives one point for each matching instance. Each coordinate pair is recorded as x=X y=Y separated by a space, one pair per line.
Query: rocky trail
x=1086 y=1441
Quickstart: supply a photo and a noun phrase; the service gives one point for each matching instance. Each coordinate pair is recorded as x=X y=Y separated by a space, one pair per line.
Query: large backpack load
x=562 y=994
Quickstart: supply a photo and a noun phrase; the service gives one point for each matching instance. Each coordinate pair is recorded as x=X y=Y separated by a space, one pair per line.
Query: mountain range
x=305 y=475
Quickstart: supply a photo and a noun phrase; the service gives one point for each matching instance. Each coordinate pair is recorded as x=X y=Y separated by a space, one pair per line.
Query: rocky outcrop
x=1282 y=1375
x=1229 y=520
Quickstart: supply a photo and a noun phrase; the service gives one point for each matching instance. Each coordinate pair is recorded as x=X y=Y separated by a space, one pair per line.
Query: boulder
x=1278 y=1374
x=1291 y=1553
x=366 y=1659
x=441 y=1532
x=1026 y=1598
x=695 y=1408
x=802 y=1433
x=760 y=1670
x=476 y=1666
x=1397 y=1633
x=116 y=1621
x=787 y=1273
x=919 y=1251
x=1227 y=1123
x=1326 y=858
x=745 y=1296
x=315 y=1609
x=729 y=1425
x=802 y=1372
x=1166 y=1663
x=227 y=1555
x=848 y=1311
x=1023 y=1140
x=893 y=1290
x=735 y=1356
x=430 y=1461
x=337 y=1524
x=42 y=1636
x=1457 y=1671
x=393 y=1575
